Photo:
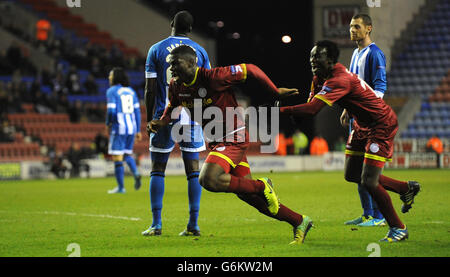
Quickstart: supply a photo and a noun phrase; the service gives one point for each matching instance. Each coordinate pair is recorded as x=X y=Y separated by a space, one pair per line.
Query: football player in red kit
x=226 y=168
x=370 y=144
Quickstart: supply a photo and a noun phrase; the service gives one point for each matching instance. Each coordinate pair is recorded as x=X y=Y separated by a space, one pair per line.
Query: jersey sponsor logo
x=374 y=148
x=191 y=105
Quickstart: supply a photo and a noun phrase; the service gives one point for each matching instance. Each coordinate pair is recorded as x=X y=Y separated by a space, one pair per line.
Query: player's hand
x=283 y=92
x=138 y=136
x=345 y=119
x=154 y=125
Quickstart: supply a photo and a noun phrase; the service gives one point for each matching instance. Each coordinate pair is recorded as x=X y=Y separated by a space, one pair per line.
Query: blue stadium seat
x=444 y=113
x=6 y=78
x=424 y=114
x=46 y=89
x=436 y=122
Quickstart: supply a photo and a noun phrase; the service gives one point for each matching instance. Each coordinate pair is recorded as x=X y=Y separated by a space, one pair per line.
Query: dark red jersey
x=213 y=88
x=355 y=95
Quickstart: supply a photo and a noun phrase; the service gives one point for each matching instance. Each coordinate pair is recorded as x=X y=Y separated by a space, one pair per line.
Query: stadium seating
x=61 y=17
x=21 y=119
x=422 y=70
x=16 y=152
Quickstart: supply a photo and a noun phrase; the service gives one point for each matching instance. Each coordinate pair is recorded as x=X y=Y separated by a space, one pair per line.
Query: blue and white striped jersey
x=157 y=66
x=370 y=65
x=123 y=110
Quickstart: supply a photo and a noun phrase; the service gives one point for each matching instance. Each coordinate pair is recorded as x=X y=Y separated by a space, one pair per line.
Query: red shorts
x=231 y=157
x=376 y=144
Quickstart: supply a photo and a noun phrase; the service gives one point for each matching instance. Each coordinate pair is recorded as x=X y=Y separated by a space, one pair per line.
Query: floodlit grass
x=40 y=218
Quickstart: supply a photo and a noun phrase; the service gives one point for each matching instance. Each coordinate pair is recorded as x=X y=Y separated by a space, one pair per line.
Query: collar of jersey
x=193 y=81
x=180 y=37
x=365 y=48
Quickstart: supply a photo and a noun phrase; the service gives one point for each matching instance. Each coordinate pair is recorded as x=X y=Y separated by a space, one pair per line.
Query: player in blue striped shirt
x=123 y=121
x=369 y=63
x=158 y=76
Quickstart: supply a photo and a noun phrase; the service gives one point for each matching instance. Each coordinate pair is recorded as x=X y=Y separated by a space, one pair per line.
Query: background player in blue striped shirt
x=123 y=121
x=369 y=63
x=158 y=76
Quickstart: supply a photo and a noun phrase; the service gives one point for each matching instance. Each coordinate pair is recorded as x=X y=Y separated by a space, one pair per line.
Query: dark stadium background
x=260 y=25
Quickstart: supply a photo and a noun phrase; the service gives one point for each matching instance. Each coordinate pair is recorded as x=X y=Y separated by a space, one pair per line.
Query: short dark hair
x=332 y=49
x=183 y=21
x=365 y=18
x=184 y=51
x=120 y=77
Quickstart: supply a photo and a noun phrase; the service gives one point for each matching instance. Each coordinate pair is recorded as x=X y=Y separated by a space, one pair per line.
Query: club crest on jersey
x=235 y=69
x=202 y=92
x=220 y=149
x=374 y=148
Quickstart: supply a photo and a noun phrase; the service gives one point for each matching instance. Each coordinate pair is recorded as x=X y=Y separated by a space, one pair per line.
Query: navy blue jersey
x=157 y=66
x=370 y=65
x=123 y=110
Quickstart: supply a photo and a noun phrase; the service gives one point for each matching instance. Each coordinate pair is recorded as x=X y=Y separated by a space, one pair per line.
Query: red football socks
x=393 y=185
x=384 y=203
x=284 y=213
x=243 y=185
x=288 y=215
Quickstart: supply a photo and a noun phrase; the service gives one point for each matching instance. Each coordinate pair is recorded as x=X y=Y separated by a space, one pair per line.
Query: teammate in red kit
x=226 y=168
x=370 y=144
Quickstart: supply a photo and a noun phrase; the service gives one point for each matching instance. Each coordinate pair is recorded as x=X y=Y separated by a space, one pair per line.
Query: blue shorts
x=120 y=144
x=190 y=140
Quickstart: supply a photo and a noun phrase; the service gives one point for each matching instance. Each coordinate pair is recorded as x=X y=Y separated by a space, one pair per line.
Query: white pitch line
x=80 y=214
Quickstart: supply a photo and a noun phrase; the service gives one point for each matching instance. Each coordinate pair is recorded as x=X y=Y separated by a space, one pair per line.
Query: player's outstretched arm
x=254 y=72
x=310 y=108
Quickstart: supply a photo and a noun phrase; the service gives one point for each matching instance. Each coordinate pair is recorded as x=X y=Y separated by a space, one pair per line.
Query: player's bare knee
x=191 y=166
x=159 y=167
x=369 y=182
x=208 y=182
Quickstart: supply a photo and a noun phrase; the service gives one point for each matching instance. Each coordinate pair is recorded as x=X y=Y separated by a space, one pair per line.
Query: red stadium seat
x=17 y=152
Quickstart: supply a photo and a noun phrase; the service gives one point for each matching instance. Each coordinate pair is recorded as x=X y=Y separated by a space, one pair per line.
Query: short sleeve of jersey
x=378 y=72
x=204 y=57
x=111 y=99
x=333 y=90
x=150 y=66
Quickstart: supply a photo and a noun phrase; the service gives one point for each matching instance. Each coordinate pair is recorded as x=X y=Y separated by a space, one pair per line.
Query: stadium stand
x=16 y=151
x=51 y=108
x=422 y=70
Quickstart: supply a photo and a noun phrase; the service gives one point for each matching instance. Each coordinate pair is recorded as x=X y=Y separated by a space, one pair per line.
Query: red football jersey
x=355 y=95
x=214 y=88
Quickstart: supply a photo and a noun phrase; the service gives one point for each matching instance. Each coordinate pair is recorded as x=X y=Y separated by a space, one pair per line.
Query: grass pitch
x=41 y=218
